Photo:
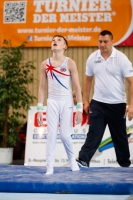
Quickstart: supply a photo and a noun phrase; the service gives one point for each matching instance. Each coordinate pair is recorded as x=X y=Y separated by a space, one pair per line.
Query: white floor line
x=42 y=196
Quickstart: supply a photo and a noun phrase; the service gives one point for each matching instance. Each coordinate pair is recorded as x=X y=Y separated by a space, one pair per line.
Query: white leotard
x=59 y=80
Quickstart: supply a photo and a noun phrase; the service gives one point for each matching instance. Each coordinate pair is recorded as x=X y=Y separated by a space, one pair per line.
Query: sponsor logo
x=85 y=120
x=70 y=107
x=30 y=38
x=73 y=136
x=97 y=61
x=63 y=68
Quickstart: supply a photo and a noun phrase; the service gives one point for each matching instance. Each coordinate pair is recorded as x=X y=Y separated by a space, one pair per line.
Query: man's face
x=105 y=43
x=58 y=43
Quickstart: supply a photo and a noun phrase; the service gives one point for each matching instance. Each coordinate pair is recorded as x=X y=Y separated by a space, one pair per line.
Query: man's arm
x=87 y=89
x=129 y=110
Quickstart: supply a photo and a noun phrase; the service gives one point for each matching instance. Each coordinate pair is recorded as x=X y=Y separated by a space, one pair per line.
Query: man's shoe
x=82 y=163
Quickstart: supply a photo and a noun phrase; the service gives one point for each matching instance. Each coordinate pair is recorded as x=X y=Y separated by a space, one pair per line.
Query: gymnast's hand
x=78 y=117
x=40 y=118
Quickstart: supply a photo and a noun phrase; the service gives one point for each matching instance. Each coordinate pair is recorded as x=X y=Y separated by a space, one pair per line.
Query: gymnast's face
x=58 y=44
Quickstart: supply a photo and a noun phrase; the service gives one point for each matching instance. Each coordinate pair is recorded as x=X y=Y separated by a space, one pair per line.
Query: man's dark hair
x=61 y=37
x=106 y=32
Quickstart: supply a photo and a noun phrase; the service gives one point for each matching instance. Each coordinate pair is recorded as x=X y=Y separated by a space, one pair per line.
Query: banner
x=35 y=152
x=80 y=21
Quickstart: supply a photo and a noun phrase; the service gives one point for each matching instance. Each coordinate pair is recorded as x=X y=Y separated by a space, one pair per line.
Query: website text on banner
x=35 y=154
x=80 y=21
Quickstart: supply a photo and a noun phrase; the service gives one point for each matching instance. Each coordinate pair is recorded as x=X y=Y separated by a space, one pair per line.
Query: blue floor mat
x=93 y=180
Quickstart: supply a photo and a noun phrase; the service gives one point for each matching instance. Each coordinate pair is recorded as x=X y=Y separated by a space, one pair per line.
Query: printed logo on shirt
x=63 y=68
x=97 y=61
x=131 y=70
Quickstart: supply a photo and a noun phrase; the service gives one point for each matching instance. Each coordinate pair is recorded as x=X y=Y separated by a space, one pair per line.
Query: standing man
x=60 y=71
x=108 y=106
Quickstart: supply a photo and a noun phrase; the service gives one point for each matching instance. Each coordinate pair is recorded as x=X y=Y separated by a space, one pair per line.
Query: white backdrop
x=36 y=143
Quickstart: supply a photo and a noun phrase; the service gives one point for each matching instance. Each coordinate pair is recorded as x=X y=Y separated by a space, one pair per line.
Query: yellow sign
x=80 y=21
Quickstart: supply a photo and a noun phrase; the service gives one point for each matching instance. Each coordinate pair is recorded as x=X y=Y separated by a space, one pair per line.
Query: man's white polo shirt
x=109 y=76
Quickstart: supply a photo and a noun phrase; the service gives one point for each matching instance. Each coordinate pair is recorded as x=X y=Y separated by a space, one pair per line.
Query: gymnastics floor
x=94 y=183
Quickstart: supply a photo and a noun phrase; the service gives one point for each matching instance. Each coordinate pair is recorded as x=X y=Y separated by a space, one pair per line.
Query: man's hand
x=78 y=117
x=86 y=107
x=40 y=118
x=129 y=112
